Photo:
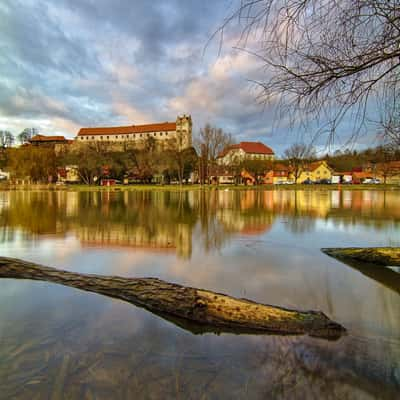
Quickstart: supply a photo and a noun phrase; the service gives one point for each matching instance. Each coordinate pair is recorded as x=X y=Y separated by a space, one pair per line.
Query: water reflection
x=59 y=342
x=164 y=221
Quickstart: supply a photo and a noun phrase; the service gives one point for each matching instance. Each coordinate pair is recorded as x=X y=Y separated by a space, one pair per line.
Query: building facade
x=237 y=153
x=315 y=172
x=176 y=134
x=42 y=140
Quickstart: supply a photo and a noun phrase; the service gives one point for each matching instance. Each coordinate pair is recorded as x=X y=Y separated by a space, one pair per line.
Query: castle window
x=87 y=138
x=108 y=137
x=160 y=133
x=101 y=137
x=92 y=137
x=166 y=133
x=155 y=133
x=141 y=135
x=116 y=137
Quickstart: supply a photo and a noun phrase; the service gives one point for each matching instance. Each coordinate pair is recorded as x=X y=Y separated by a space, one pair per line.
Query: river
x=58 y=342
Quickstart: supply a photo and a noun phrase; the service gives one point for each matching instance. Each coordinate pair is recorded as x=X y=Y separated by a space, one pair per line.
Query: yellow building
x=315 y=171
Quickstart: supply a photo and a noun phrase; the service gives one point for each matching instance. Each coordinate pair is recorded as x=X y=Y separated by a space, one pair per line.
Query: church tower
x=184 y=131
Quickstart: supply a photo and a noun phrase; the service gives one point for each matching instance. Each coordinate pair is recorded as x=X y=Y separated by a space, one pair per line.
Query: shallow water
x=58 y=342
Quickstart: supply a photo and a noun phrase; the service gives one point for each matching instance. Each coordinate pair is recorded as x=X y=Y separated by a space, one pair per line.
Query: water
x=58 y=342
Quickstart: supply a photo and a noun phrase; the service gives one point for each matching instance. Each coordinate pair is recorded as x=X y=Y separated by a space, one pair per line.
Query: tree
x=390 y=125
x=257 y=168
x=298 y=155
x=27 y=134
x=211 y=141
x=184 y=162
x=90 y=159
x=6 y=139
x=39 y=164
x=324 y=58
x=384 y=157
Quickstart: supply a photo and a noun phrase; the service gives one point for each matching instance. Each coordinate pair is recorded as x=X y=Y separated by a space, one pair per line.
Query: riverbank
x=150 y=187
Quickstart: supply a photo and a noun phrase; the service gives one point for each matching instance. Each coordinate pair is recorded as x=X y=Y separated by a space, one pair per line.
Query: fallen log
x=205 y=311
x=385 y=276
x=372 y=255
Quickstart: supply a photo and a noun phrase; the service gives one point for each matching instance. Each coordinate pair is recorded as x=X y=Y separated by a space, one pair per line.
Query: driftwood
x=384 y=276
x=194 y=309
x=372 y=255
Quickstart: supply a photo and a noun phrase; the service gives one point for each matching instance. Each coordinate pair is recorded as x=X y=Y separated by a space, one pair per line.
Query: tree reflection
x=165 y=220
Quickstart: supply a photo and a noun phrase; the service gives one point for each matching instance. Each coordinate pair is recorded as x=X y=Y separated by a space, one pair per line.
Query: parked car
x=308 y=181
x=371 y=181
x=324 y=182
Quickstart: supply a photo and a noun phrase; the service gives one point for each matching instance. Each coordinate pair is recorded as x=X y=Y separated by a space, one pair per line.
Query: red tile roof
x=118 y=130
x=249 y=147
x=42 y=138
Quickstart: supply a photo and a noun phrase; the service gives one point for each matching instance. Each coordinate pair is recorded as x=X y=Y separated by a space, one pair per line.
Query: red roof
x=249 y=147
x=118 y=130
x=42 y=138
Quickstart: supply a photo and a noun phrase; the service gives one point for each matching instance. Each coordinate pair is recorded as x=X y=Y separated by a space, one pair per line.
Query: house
x=4 y=175
x=315 y=172
x=389 y=172
x=237 y=153
x=221 y=175
x=360 y=176
x=342 y=177
x=68 y=174
x=42 y=140
x=280 y=174
x=168 y=134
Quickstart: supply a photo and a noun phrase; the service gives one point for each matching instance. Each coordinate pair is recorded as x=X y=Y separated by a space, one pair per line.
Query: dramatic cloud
x=74 y=63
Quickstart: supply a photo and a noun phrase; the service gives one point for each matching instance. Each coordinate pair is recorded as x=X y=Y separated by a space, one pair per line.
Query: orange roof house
x=39 y=140
x=245 y=150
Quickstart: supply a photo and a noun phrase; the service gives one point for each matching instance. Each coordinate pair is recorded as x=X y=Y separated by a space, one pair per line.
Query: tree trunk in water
x=373 y=255
x=205 y=311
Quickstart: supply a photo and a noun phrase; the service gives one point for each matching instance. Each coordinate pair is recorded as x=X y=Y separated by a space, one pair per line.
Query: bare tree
x=298 y=155
x=27 y=134
x=6 y=139
x=384 y=156
x=211 y=141
x=390 y=125
x=324 y=58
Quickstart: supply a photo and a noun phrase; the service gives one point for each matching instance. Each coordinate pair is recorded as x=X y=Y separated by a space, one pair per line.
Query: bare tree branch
x=323 y=58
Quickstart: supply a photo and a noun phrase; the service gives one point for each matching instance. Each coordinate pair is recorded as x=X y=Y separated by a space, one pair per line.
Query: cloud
x=74 y=63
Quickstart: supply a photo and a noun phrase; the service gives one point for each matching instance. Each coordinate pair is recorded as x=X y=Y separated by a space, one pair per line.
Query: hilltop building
x=41 y=140
x=237 y=153
x=176 y=134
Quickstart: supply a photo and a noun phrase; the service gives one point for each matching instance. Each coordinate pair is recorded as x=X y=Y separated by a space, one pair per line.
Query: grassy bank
x=139 y=187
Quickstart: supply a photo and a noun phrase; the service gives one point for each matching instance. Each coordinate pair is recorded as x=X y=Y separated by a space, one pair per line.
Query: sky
x=68 y=64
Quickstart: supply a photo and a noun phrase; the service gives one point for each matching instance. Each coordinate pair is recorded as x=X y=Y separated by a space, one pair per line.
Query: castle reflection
x=164 y=221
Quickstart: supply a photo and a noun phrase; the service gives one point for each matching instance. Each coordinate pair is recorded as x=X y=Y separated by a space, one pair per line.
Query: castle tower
x=184 y=131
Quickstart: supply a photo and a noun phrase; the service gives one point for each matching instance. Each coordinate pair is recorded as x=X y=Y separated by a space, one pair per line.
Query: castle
x=166 y=135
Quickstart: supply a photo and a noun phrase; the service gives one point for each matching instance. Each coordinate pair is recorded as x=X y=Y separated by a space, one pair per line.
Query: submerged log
x=372 y=255
x=205 y=311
